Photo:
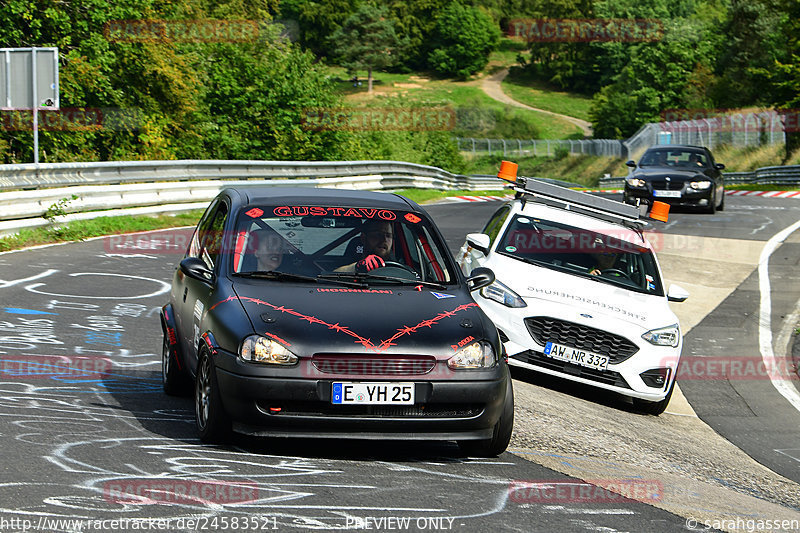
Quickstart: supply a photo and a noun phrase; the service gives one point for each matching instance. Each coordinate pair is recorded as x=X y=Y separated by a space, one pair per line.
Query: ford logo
x=586 y=315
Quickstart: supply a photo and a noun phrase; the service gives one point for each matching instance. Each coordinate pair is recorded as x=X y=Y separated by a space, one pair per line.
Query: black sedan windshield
x=315 y=240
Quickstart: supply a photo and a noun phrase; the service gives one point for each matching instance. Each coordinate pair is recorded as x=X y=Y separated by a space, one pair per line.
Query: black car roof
x=265 y=195
x=677 y=146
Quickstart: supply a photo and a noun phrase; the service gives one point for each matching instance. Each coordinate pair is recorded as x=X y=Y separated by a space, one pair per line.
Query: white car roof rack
x=530 y=189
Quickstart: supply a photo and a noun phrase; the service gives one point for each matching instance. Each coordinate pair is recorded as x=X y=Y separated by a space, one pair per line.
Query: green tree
x=462 y=41
x=367 y=41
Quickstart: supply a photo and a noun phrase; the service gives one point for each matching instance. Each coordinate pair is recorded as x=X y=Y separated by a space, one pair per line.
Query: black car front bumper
x=297 y=405
x=688 y=196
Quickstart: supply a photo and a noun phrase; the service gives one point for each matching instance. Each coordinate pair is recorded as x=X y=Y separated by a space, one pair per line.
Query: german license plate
x=576 y=356
x=384 y=393
x=667 y=194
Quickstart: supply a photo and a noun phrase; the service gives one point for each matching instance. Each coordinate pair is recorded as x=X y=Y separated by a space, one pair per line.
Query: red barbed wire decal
x=367 y=343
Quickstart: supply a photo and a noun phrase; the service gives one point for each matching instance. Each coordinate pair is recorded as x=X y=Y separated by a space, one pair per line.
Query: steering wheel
x=615 y=271
x=396 y=265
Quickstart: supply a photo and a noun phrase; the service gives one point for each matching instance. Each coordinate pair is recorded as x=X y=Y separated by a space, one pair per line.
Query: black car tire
x=212 y=421
x=502 y=432
x=712 y=204
x=722 y=202
x=173 y=380
x=653 y=408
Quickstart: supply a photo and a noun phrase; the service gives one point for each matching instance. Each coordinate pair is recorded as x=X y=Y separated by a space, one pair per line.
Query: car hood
x=556 y=294
x=673 y=173
x=382 y=319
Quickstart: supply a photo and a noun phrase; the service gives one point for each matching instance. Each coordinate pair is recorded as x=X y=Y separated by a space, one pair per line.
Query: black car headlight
x=701 y=185
x=635 y=182
x=477 y=355
x=258 y=349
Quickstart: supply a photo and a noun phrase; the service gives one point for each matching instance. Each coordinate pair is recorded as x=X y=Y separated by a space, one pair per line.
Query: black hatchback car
x=678 y=175
x=328 y=313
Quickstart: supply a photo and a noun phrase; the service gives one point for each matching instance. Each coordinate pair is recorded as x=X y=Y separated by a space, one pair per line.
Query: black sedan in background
x=332 y=313
x=678 y=175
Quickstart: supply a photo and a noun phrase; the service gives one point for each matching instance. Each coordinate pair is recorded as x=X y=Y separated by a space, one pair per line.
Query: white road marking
x=781 y=384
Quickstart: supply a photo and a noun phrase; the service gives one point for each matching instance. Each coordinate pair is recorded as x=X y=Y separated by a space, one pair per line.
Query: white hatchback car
x=578 y=292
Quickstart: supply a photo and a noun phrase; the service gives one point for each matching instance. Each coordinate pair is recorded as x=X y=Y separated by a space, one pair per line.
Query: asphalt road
x=84 y=423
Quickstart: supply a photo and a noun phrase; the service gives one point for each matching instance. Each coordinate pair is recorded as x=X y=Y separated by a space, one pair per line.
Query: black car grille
x=608 y=377
x=326 y=409
x=355 y=364
x=671 y=185
x=615 y=347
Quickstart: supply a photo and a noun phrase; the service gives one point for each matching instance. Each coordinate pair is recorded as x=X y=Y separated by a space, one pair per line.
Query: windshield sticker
x=511 y=249
x=589 y=301
x=442 y=295
x=254 y=213
x=321 y=211
x=364 y=341
x=411 y=217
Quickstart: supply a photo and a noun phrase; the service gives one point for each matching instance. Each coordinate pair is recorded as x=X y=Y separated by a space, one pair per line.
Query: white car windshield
x=611 y=256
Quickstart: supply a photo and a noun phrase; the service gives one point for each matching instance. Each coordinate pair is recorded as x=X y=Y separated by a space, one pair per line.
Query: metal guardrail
x=113 y=188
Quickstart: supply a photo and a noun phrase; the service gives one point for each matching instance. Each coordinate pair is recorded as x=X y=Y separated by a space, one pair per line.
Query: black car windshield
x=686 y=159
x=331 y=242
x=610 y=256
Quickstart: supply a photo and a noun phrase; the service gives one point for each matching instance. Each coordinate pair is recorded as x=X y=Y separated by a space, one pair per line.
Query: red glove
x=370 y=262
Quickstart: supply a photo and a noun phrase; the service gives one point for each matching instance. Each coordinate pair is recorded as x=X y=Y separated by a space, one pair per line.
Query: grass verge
x=84 y=229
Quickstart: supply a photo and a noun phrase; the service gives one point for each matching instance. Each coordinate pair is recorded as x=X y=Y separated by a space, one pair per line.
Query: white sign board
x=28 y=78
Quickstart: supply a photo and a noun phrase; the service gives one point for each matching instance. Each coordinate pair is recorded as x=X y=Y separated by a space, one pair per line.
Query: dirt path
x=491 y=86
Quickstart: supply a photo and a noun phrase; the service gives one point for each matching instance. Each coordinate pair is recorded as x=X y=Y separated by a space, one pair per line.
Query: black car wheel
x=172 y=379
x=210 y=417
x=722 y=202
x=654 y=408
x=502 y=432
x=712 y=204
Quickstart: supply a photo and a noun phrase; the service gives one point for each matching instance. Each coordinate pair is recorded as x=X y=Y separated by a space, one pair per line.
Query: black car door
x=193 y=299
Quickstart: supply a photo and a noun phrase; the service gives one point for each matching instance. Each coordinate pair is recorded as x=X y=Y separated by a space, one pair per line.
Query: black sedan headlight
x=700 y=185
x=635 y=182
x=258 y=349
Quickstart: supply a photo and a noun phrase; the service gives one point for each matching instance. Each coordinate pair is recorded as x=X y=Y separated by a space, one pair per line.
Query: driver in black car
x=378 y=238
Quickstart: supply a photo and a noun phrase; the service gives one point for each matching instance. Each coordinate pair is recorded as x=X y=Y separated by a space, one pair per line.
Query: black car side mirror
x=480 y=278
x=195 y=268
x=719 y=166
x=630 y=163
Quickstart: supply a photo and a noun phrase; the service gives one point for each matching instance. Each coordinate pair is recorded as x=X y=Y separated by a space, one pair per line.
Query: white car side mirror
x=677 y=293
x=479 y=241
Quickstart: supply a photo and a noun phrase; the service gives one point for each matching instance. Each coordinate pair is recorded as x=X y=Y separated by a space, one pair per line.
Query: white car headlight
x=668 y=336
x=475 y=355
x=635 y=182
x=700 y=185
x=258 y=349
x=502 y=294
